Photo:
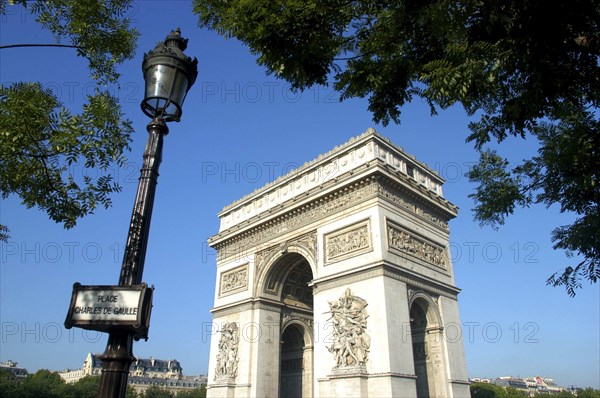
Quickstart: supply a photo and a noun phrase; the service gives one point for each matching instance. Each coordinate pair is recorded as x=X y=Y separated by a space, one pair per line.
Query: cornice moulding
x=349 y=158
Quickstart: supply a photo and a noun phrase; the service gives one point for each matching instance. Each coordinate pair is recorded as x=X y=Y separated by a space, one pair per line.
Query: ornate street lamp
x=169 y=74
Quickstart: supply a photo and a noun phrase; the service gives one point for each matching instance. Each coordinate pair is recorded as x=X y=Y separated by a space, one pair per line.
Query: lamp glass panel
x=164 y=83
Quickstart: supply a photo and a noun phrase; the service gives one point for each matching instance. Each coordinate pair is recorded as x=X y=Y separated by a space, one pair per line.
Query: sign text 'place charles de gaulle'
x=108 y=308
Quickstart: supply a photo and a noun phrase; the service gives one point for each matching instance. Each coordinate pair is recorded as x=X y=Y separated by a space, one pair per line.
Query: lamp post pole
x=169 y=74
x=118 y=356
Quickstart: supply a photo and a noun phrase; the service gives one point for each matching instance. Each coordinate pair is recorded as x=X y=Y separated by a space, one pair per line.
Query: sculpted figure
x=350 y=340
x=227 y=357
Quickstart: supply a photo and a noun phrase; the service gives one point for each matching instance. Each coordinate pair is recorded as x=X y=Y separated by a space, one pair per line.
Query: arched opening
x=289 y=279
x=418 y=323
x=292 y=353
x=427 y=349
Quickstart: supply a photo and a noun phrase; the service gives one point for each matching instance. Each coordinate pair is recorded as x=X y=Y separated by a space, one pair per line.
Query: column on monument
x=264 y=340
x=454 y=335
x=307 y=372
x=401 y=371
x=437 y=363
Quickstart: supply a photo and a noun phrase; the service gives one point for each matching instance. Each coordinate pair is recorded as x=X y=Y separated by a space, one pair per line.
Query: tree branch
x=39 y=45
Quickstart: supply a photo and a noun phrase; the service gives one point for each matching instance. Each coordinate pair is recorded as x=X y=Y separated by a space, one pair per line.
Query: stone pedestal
x=222 y=388
x=351 y=382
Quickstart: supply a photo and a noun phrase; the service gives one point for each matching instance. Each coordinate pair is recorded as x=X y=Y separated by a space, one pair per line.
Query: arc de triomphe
x=335 y=280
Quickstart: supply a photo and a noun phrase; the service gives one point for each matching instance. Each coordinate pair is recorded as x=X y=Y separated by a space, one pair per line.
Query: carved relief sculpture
x=407 y=243
x=354 y=241
x=234 y=280
x=227 y=355
x=351 y=342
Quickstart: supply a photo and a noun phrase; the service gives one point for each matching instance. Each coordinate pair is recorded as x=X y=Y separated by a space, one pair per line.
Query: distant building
x=516 y=383
x=143 y=373
x=543 y=385
x=529 y=385
x=481 y=380
x=19 y=373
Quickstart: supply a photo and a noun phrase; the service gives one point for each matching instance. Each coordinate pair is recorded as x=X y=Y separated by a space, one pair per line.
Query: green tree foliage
x=157 y=392
x=41 y=384
x=47 y=384
x=514 y=393
x=41 y=139
x=8 y=384
x=522 y=68
x=86 y=387
x=131 y=393
x=588 y=393
x=195 y=393
x=486 y=390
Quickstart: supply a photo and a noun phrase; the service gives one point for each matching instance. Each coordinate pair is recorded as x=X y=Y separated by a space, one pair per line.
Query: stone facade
x=336 y=280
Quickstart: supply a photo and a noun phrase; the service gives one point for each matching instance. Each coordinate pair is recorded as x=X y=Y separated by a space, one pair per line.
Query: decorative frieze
x=406 y=242
x=239 y=247
x=351 y=342
x=349 y=241
x=227 y=354
x=234 y=280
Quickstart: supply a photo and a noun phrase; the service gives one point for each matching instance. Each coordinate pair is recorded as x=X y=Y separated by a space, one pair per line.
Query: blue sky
x=241 y=129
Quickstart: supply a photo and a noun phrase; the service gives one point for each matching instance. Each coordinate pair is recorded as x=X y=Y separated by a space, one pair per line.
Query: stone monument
x=335 y=280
